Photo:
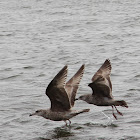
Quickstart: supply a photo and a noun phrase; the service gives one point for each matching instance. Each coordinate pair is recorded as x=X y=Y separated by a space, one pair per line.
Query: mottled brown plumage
x=62 y=96
x=71 y=86
x=102 y=89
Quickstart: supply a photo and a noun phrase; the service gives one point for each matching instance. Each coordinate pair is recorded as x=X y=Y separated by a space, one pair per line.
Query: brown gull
x=102 y=90
x=62 y=97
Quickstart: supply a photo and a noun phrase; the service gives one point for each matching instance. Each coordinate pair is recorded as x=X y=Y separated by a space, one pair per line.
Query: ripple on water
x=39 y=37
x=112 y=125
x=28 y=67
x=11 y=77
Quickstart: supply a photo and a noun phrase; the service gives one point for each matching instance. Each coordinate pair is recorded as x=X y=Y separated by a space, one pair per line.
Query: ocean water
x=39 y=37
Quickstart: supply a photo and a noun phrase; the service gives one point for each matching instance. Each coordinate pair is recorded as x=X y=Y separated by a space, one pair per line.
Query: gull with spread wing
x=62 y=97
x=102 y=90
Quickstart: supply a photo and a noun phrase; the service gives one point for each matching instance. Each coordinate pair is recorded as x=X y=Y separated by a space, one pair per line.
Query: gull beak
x=32 y=114
x=89 y=84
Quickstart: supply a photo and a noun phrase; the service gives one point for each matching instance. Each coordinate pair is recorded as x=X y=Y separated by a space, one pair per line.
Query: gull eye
x=37 y=111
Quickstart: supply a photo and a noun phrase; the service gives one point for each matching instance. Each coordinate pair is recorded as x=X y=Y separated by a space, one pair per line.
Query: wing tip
x=83 y=66
x=107 y=64
x=65 y=67
x=81 y=71
x=108 y=61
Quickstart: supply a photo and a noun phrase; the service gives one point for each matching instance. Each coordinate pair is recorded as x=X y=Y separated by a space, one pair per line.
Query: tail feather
x=82 y=111
x=121 y=103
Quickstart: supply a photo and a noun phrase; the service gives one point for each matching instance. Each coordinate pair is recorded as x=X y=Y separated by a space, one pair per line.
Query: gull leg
x=114 y=113
x=69 y=122
x=118 y=111
x=65 y=122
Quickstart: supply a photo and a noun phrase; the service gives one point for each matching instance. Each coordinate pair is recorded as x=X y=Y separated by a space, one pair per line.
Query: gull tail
x=82 y=111
x=121 y=103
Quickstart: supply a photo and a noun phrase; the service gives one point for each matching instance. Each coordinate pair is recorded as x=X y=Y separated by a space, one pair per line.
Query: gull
x=102 y=90
x=62 y=97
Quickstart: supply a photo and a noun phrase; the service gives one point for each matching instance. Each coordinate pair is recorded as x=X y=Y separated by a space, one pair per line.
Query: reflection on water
x=60 y=132
x=65 y=132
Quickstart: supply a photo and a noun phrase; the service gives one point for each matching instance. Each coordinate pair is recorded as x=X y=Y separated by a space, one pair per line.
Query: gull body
x=58 y=116
x=62 y=97
x=102 y=90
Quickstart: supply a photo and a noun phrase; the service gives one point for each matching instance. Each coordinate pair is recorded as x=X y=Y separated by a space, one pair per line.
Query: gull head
x=38 y=113
x=83 y=97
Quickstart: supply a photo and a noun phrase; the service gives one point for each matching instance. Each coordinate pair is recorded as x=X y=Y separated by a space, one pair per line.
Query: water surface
x=39 y=37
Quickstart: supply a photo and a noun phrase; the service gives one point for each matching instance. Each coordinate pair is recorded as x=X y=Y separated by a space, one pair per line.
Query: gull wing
x=72 y=85
x=56 y=92
x=101 y=83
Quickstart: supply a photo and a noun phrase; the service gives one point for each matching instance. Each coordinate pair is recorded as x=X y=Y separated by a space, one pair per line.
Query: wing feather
x=56 y=92
x=101 y=83
x=73 y=84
